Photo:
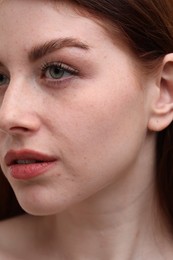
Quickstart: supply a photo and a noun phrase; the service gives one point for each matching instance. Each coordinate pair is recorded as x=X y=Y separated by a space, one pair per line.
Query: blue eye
x=4 y=80
x=57 y=71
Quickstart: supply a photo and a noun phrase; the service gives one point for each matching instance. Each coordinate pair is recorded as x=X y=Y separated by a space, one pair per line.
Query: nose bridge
x=12 y=100
x=16 y=108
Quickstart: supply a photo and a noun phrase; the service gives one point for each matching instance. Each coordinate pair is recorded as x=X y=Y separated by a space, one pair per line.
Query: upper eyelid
x=3 y=69
x=2 y=65
x=44 y=65
x=60 y=64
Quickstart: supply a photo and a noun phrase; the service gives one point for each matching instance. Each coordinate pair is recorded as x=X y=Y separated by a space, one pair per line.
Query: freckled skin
x=94 y=122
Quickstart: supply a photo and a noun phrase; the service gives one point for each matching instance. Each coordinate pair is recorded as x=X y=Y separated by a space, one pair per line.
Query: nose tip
x=13 y=123
x=17 y=116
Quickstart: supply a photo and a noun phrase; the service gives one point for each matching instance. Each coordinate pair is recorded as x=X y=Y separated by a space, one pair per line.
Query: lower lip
x=29 y=171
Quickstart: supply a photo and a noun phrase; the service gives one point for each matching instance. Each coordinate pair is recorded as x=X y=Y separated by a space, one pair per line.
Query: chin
x=41 y=208
x=45 y=202
x=39 y=202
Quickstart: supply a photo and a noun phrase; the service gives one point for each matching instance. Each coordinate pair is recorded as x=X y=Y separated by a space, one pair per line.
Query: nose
x=17 y=111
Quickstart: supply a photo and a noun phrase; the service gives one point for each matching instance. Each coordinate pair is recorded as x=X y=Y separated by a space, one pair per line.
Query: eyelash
x=67 y=73
x=63 y=69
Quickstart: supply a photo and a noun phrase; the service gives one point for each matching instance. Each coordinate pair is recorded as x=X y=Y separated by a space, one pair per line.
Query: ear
x=162 y=107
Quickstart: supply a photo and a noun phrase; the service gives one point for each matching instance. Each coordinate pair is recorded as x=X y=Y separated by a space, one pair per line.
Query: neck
x=126 y=230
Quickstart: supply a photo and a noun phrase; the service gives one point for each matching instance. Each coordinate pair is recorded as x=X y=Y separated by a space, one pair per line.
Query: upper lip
x=13 y=155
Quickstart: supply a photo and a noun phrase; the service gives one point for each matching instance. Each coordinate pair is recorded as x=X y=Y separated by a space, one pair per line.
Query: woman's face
x=73 y=106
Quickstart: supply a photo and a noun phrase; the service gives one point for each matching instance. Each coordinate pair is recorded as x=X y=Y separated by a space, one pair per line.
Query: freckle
x=104 y=57
x=58 y=174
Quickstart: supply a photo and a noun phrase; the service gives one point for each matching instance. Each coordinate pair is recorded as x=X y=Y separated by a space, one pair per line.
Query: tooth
x=25 y=161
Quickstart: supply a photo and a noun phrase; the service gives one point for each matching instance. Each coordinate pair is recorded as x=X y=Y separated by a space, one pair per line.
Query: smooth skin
x=90 y=104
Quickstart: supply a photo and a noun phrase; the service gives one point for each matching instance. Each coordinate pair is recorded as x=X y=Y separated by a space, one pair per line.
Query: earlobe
x=162 y=107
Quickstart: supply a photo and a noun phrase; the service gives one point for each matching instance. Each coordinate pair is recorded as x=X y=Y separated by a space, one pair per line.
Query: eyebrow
x=54 y=45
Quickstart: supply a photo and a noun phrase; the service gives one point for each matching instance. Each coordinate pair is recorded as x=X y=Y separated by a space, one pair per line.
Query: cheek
x=94 y=136
x=97 y=131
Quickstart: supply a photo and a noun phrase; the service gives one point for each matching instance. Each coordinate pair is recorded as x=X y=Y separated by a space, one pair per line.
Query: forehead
x=25 y=22
x=23 y=13
x=25 y=25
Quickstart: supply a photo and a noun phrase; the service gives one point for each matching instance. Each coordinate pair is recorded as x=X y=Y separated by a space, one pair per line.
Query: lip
x=31 y=170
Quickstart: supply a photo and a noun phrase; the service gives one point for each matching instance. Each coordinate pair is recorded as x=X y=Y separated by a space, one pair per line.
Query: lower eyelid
x=59 y=82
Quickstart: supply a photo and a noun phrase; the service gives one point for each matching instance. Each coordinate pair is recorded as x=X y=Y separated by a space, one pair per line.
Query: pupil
x=2 y=79
x=56 y=72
